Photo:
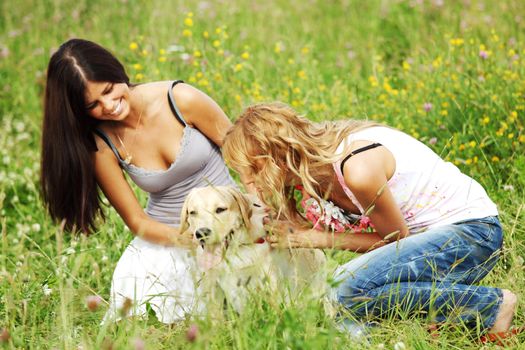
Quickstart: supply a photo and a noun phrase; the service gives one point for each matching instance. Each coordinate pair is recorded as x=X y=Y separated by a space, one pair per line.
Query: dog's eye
x=193 y=212
x=220 y=210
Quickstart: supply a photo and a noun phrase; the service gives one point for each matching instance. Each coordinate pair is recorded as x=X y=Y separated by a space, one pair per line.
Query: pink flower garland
x=332 y=217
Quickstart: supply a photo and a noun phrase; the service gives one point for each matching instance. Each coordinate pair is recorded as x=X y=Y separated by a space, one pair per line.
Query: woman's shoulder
x=102 y=139
x=185 y=94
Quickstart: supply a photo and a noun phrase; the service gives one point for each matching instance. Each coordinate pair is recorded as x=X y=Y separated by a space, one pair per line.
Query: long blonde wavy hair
x=272 y=143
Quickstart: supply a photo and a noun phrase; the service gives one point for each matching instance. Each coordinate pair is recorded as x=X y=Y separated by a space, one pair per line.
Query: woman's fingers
x=289 y=240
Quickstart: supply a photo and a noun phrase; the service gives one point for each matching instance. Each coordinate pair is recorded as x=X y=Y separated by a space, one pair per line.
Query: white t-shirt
x=429 y=191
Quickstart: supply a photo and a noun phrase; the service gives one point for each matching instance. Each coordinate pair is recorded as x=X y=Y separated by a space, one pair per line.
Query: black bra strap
x=173 y=105
x=359 y=150
x=107 y=140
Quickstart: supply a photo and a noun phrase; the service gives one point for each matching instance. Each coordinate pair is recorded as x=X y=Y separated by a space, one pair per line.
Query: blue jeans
x=431 y=272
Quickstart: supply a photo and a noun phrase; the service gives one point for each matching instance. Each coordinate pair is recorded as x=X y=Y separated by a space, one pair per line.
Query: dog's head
x=221 y=216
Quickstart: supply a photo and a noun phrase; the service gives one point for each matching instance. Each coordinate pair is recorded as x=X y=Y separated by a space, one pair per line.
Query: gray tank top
x=198 y=164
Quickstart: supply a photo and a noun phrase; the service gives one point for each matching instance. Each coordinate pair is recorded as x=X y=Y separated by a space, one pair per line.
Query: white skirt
x=163 y=277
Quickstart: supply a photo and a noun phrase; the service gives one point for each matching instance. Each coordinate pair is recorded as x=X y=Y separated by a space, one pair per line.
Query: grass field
x=451 y=73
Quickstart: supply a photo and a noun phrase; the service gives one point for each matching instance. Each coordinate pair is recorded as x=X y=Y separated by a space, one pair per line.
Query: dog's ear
x=245 y=206
x=184 y=225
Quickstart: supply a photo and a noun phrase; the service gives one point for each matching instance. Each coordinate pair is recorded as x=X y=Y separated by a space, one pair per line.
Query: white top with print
x=429 y=191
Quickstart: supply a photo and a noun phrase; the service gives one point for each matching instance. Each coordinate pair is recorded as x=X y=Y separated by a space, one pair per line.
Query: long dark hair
x=69 y=188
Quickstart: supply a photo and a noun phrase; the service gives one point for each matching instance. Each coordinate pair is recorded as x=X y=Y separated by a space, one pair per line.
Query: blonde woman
x=435 y=230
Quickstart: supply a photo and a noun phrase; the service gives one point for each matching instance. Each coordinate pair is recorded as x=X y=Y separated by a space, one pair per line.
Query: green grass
x=374 y=59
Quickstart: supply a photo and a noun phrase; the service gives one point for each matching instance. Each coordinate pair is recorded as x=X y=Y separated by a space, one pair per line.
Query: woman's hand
x=184 y=240
x=283 y=235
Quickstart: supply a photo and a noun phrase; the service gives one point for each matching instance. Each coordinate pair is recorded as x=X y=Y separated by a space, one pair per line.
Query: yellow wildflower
x=437 y=62
x=133 y=46
x=485 y=120
x=495 y=159
x=237 y=67
x=144 y=52
x=188 y=22
x=305 y=50
x=301 y=74
x=162 y=52
x=472 y=144
x=406 y=66
x=205 y=34
x=139 y=76
x=216 y=43
x=186 y=32
x=278 y=47
x=373 y=81
x=456 y=41
x=162 y=59
x=137 y=66
x=245 y=55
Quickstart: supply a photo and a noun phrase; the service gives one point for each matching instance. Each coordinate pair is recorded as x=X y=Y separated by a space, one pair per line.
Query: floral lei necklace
x=326 y=215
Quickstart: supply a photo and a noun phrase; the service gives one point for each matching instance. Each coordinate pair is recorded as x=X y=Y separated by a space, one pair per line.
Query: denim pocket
x=486 y=232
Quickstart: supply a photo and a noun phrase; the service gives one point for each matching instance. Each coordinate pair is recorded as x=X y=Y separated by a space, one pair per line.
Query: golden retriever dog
x=232 y=255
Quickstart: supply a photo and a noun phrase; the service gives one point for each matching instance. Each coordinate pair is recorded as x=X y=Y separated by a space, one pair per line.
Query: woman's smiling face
x=107 y=101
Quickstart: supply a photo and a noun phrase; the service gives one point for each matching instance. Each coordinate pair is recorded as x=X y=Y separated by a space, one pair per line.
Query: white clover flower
x=19 y=126
x=399 y=346
x=28 y=172
x=35 y=227
x=46 y=290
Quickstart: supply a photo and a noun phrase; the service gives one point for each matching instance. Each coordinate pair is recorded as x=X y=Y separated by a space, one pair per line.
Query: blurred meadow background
x=448 y=72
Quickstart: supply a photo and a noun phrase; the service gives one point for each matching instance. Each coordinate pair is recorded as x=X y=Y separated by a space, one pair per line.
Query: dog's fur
x=234 y=258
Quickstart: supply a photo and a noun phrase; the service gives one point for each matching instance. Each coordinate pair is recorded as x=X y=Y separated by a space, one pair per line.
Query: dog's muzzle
x=202 y=234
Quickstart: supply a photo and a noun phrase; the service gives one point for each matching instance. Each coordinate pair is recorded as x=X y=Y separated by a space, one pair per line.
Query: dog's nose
x=202 y=233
